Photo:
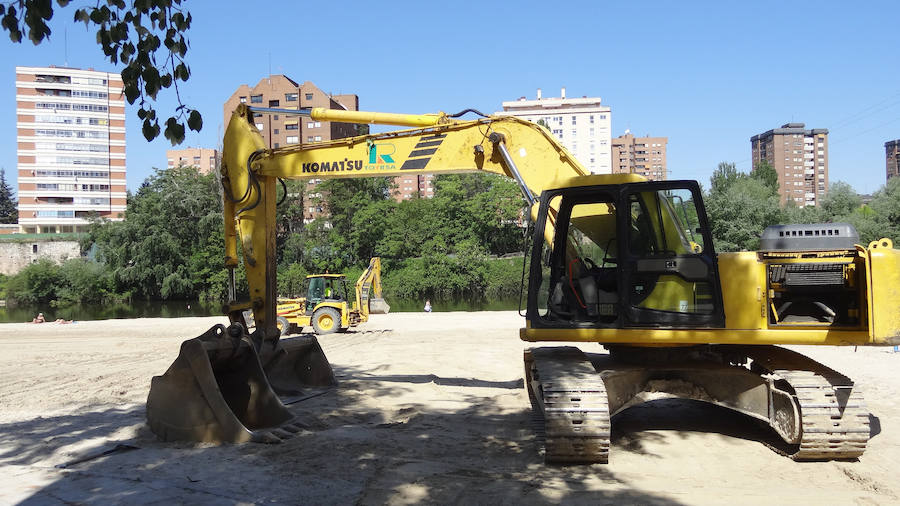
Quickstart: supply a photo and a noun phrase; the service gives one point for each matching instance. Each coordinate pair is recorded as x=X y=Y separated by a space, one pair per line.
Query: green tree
x=766 y=174
x=724 y=176
x=886 y=205
x=740 y=208
x=170 y=243
x=148 y=37
x=840 y=201
x=9 y=212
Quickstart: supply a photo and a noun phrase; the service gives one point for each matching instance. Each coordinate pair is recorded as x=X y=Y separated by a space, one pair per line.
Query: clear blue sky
x=708 y=75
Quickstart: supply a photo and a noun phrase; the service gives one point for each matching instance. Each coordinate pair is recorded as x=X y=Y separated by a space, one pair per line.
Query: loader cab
x=324 y=287
x=633 y=254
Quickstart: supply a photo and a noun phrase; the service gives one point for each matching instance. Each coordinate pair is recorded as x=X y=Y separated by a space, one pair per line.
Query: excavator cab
x=631 y=255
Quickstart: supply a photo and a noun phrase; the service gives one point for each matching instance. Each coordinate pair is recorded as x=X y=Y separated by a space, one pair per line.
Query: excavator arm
x=504 y=145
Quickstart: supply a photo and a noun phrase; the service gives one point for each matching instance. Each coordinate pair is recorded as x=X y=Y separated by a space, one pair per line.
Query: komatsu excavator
x=616 y=260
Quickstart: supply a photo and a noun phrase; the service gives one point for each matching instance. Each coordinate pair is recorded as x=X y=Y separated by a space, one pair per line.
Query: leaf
x=150 y=130
x=195 y=121
x=174 y=131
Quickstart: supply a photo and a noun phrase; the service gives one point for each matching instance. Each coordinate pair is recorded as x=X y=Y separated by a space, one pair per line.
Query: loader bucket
x=378 y=306
x=216 y=391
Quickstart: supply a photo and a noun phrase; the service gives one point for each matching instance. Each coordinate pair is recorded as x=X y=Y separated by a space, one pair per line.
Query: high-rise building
x=279 y=91
x=800 y=157
x=892 y=158
x=582 y=125
x=203 y=158
x=70 y=146
x=640 y=155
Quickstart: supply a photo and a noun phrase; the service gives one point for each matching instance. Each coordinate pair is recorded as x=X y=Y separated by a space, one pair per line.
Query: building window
x=309 y=139
x=243 y=100
x=259 y=126
x=290 y=97
x=602 y=116
x=292 y=139
x=290 y=126
x=276 y=144
x=573 y=120
x=318 y=138
x=273 y=103
x=309 y=96
x=255 y=99
x=276 y=131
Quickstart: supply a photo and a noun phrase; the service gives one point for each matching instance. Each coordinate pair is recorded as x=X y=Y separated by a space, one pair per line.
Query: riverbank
x=430 y=408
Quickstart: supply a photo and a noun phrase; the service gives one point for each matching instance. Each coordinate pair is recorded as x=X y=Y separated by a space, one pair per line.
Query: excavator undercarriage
x=816 y=411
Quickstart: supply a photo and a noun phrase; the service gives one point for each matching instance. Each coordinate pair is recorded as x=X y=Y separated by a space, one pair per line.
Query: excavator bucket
x=216 y=391
x=297 y=365
x=378 y=306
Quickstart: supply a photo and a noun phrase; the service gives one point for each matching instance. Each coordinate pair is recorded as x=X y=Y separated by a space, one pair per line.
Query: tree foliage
x=148 y=37
x=740 y=206
x=170 y=244
x=766 y=174
x=9 y=212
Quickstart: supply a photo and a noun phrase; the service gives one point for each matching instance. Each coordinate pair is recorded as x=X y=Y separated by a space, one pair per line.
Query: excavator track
x=834 y=417
x=833 y=414
x=570 y=399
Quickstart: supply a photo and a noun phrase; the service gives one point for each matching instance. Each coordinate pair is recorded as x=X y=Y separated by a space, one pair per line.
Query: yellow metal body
x=351 y=313
x=747 y=298
x=443 y=145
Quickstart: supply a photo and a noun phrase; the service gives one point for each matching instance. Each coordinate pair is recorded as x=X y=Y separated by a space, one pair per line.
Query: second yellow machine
x=328 y=306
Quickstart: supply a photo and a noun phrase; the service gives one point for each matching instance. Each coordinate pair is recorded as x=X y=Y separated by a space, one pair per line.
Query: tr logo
x=381 y=153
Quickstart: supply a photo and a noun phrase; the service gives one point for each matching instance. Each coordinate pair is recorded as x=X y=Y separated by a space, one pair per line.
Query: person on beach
x=39 y=318
x=427 y=305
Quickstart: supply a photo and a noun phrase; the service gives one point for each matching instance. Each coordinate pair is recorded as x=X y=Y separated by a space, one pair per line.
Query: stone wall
x=15 y=256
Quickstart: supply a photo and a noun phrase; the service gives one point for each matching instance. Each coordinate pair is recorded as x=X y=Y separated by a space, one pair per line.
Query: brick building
x=204 y=159
x=640 y=155
x=892 y=158
x=70 y=146
x=800 y=157
x=278 y=130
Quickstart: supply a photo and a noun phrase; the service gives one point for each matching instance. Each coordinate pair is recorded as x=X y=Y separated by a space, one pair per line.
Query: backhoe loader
x=615 y=260
x=327 y=306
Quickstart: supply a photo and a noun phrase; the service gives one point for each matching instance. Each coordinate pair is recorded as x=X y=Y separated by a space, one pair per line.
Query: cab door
x=667 y=264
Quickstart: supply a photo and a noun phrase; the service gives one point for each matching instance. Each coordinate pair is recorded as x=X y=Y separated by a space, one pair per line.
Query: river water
x=177 y=309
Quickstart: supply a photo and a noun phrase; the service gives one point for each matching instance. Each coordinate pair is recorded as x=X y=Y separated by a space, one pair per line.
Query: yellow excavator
x=615 y=260
x=327 y=307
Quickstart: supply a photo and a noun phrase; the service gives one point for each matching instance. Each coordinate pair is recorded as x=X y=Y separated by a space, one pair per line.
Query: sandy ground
x=430 y=408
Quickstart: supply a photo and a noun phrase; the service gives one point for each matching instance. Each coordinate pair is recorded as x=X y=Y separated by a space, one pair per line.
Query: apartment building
x=892 y=158
x=70 y=134
x=414 y=186
x=204 y=159
x=800 y=157
x=278 y=130
x=582 y=125
x=640 y=155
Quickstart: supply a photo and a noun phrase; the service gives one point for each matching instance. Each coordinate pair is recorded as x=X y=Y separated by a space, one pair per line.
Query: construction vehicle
x=616 y=260
x=325 y=307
